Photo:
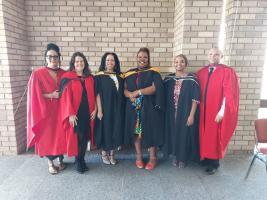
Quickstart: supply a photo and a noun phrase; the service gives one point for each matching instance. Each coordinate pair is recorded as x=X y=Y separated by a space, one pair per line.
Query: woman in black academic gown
x=144 y=109
x=110 y=107
x=182 y=95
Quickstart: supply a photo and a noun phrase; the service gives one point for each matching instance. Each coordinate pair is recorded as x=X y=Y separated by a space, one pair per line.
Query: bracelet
x=139 y=92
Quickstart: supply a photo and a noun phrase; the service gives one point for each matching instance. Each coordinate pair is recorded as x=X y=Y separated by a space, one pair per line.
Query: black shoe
x=84 y=166
x=79 y=168
x=211 y=170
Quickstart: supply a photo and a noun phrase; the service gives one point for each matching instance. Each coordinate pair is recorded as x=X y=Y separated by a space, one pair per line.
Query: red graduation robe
x=43 y=128
x=70 y=101
x=214 y=137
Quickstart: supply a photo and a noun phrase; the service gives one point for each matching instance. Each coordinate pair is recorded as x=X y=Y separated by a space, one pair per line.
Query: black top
x=83 y=123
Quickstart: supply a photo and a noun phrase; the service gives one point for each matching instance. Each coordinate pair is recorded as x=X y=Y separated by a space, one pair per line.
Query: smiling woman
x=77 y=108
x=144 y=109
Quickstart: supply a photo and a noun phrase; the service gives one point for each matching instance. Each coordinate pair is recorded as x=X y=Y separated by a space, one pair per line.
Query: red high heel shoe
x=151 y=165
x=139 y=164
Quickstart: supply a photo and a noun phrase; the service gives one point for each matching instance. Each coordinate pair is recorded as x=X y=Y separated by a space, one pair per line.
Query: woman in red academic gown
x=43 y=129
x=78 y=108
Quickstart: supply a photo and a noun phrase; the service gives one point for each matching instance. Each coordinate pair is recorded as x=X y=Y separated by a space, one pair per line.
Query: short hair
x=217 y=49
x=184 y=57
x=146 y=50
x=86 y=70
x=117 y=67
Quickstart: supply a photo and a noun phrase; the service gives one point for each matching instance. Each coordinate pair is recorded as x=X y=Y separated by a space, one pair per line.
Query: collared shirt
x=221 y=111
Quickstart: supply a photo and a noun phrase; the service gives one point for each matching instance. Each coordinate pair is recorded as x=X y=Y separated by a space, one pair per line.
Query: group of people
x=188 y=116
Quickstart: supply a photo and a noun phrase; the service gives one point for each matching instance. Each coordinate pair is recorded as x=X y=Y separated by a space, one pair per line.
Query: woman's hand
x=99 y=115
x=133 y=95
x=55 y=94
x=190 y=120
x=73 y=120
x=93 y=114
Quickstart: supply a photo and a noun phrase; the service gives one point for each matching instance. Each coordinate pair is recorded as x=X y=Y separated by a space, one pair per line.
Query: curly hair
x=86 y=71
x=117 y=67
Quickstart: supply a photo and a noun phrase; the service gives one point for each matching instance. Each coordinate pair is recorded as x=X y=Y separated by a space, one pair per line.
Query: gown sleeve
x=231 y=94
x=159 y=91
x=195 y=91
x=36 y=109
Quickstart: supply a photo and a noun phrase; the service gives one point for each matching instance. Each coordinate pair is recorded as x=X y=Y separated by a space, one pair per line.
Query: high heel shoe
x=181 y=164
x=112 y=159
x=151 y=164
x=105 y=158
x=139 y=164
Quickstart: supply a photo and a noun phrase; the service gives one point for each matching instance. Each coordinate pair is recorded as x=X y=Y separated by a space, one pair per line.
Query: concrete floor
x=25 y=177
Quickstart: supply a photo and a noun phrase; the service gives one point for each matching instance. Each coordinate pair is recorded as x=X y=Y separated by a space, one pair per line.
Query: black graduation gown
x=109 y=130
x=152 y=110
x=180 y=140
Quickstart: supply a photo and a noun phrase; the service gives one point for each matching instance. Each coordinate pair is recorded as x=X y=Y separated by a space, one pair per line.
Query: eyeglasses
x=52 y=57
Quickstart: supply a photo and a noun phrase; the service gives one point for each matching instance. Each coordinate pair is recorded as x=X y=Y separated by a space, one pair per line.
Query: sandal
x=52 y=169
x=174 y=163
x=61 y=166
x=181 y=164
x=105 y=158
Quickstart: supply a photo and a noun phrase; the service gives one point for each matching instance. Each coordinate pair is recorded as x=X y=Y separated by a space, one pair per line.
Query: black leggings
x=82 y=146
x=51 y=158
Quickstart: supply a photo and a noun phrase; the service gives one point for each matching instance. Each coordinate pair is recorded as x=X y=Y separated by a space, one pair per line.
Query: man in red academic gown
x=218 y=109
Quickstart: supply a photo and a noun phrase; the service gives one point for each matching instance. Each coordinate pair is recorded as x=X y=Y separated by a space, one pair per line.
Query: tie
x=205 y=93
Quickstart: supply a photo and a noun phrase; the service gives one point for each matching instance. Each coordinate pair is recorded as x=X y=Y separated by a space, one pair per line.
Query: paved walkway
x=25 y=177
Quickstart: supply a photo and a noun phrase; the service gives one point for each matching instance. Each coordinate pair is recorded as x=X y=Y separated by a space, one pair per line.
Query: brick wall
x=178 y=27
x=95 y=27
x=14 y=75
x=201 y=29
x=245 y=48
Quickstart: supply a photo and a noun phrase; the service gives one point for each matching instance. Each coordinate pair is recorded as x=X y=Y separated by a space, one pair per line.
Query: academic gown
x=43 y=128
x=214 y=137
x=71 y=96
x=109 y=130
x=180 y=140
x=152 y=110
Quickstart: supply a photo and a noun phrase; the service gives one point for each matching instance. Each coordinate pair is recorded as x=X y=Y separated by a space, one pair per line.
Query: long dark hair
x=146 y=50
x=86 y=70
x=52 y=46
x=117 y=67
